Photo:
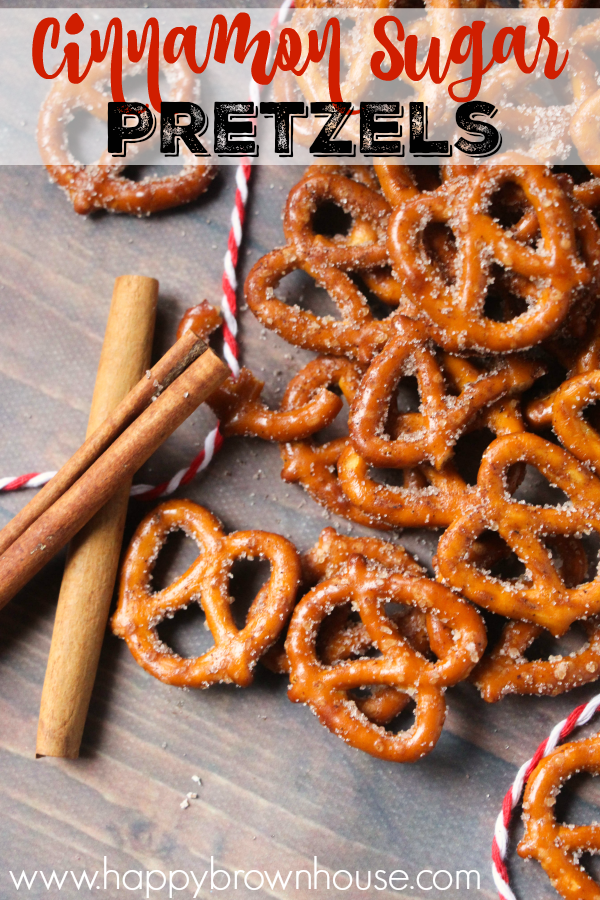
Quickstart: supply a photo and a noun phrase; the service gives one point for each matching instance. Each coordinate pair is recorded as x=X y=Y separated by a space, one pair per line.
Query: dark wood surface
x=277 y=788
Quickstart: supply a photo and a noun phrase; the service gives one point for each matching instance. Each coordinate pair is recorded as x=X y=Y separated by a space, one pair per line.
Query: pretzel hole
x=574 y=559
x=247 y=577
x=299 y=288
x=502 y=305
x=176 y=556
x=577 y=804
x=545 y=646
x=339 y=427
x=508 y=204
x=367 y=699
x=492 y=554
x=589 y=861
x=426 y=178
x=379 y=309
x=391 y=477
x=187 y=632
x=591 y=414
x=536 y=490
x=439 y=244
x=86 y=136
x=330 y=220
x=468 y=451
x=408 y=398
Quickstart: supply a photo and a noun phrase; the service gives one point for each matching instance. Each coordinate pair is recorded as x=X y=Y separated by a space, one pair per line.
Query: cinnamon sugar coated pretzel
x=455 y=311
x=237 y=402
x=327 y=689
x=206 y=581
x=542 y=596
x=557 y=847
x=104 y=184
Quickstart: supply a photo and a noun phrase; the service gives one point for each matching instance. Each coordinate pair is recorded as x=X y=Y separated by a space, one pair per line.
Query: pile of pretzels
x=488 y=280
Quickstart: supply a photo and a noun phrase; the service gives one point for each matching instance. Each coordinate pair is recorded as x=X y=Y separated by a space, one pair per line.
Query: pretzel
x=311 y=464
x=206 y=581
x=355 y=190
x=343 y=639
x=506 y=670
x=237 y=403
x=567 y=417
x=543 y=598
x=455 y=312
x=585 y=359
x=369 y=210
x=327 y=688
x=430 y=434
x=331 y=553
x=358 y=335
x=557 y=847
x=103 y=185
x=428 y=498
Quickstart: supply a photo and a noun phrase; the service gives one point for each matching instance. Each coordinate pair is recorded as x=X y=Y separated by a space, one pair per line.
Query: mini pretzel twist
x=547 y=281
x=506 y=670
x=557 y=847
x=314 y=465
x=430 y=434
x=333 y=551
x=237 y=403
x=358 y=334
x=542 y=597
x=206 y=581
x=428 y=497
x=367 y=207
x=567 y=417
x=327 y=688
x=103 y=185
x=341 y=638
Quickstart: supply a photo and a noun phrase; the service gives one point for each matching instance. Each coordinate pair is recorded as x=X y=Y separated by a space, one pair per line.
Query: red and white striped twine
x=214 y=440
x=578 y=717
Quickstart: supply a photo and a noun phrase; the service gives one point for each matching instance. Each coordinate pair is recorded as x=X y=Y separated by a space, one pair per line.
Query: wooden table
x=277 y=789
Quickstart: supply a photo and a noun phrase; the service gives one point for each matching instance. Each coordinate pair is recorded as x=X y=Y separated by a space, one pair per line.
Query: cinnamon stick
x=181 y=354
x=91 y=569
x=48 y=534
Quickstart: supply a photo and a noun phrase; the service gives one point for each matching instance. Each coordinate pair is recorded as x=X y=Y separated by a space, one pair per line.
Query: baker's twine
x=231 y=350
x=578 y=717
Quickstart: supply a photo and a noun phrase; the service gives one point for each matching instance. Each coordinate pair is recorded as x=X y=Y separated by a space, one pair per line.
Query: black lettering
x=172 y=131
x=324 y=143
x=121 y=132
x=284 y=115
x=419 y=145
x=491 y=138
x=371 y=128
x=225 y=128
